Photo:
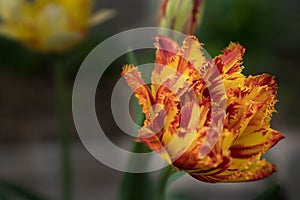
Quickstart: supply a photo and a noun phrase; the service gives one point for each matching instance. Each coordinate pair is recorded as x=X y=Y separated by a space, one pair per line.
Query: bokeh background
x=29 y=150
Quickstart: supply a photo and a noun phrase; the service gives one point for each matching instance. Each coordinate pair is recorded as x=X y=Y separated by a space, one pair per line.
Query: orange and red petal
x=251 y=144
x=217 y=158
x=193 y=52
x=166 y=48
x=173 y=76
x=229 y=65
x=266 y=98
x=239 y=114
x=241 y=170
x=186 y=134
x=250 y=106
x=151 y=133
x=262 y=80
x=176 y=77
x=141 y=90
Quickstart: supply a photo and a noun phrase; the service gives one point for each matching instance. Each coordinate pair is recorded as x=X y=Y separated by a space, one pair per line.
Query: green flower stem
x=64 y=136
x=162 y=182
x=136 y=186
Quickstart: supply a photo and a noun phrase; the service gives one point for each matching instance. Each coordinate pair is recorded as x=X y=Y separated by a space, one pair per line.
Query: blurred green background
x=269 y=29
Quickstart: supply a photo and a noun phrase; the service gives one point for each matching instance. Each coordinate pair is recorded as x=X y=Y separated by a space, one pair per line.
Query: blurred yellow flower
x=179 y=112
x=49 y=25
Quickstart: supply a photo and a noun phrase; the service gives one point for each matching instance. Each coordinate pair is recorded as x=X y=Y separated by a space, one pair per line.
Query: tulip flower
x=183 y=16
x=179 y=114
x=49 y=25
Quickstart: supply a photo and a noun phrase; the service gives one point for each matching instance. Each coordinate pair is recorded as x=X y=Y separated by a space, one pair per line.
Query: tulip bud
x=181 y=15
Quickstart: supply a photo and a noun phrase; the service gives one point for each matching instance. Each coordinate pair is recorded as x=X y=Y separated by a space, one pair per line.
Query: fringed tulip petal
x=266 y=100
x=141 y=90
x=166 y=48
x=192 y=51
x=241 y=170
x=229 y=65
x=255 y=143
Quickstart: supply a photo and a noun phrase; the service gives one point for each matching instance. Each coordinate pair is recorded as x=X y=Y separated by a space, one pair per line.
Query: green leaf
x=176 y=175
x=269 y=194
x=12 y=188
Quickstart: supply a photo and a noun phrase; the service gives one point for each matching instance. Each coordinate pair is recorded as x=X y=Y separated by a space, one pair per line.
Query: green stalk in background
x=64 y=137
